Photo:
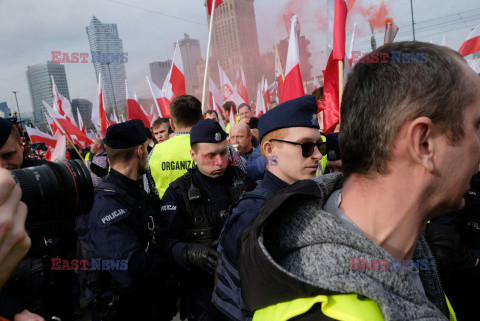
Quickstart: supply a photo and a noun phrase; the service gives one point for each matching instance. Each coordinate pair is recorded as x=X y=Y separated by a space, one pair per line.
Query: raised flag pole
x=208 y=56
x=340 y=83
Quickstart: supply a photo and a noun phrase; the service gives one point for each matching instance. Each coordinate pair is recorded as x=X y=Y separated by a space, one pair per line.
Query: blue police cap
x=299 y=112
x=207 y=131
x=333 y=149
x=5 y=130
x=125 y=135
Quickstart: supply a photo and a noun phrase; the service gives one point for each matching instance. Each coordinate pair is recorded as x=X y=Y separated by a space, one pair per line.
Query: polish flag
x=216 y=97
x=238 y=81
x=336 y=19
x=350 y=56
x=61 y=104
x=53 y=127
x=149 y=116
x=217 y=109
x=59 y=151
x=279 y=78
x=162 y=103
x=227 y=90
x=232 y=117
x=316 y=83
x=80 y=123
x=210 y=4
x=99 y=117
x=472 y=43
x=293 y=85
x=134 y=111
x=260 y=103
x=76 y=135
x=243 y=89
x=37 y=136
x=266 y=93
x=174 y=84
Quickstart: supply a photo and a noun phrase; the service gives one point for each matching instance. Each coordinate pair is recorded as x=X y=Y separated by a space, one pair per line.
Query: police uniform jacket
x=117 y=230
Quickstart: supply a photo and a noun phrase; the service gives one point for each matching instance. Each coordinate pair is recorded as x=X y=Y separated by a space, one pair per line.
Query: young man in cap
x=194 y=208
x=352 y=247
x=125 y=276
x=292 y=147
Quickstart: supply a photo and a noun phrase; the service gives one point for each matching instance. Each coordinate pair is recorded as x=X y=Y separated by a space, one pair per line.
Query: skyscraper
x=235 y=41
x=40 y=86
x=106 y=47
x=159 y=71
x=84 y=107
x=190 y=51
x=4 y=109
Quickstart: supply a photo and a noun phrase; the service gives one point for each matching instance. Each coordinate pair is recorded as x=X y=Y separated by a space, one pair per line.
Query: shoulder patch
x=113 y=217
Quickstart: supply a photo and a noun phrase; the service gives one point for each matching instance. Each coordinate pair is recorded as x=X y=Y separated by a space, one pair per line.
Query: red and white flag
x=266 y=92
x=134 y=111
x=80 y=123
x=279 y=77
x=260 y=103
x=76 y=135
x=215 y=95
x=99 y=117
x=336 y=19
x=210 y=4
x=61 y=104
x=227 y=89
x=232 y=117
x=350 y=56
x=217 y=109
x=59 y=151
x=162 y=103
x=174 y=84
x=37 y=136
x=472 y=43
x=316 y=83
x=243 y=89
x=53 y=127
x=293 y=85
x=149 y=116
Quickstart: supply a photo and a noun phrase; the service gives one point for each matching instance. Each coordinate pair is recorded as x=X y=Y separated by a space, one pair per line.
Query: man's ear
x=140 y=151
x=268 y=148
x=421 y=142
x=172 y=125
x=192 y=154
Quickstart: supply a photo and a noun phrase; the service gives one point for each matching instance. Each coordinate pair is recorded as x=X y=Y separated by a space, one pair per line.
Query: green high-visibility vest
x=344 y=307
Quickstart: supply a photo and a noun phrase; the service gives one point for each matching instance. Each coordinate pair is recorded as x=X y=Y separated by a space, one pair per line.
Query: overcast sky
x=30 y=30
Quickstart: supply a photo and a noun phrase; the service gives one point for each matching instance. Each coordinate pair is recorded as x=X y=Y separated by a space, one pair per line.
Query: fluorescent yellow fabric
x=324 y=160
x=453 y=317
x=345 y=307
x=170 y=160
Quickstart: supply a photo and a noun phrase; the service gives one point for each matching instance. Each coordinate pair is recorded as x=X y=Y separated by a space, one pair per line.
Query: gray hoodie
x=316 y=248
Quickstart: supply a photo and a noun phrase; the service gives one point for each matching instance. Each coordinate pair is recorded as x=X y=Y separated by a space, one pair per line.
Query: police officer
x=126 y=278
x=194 y=209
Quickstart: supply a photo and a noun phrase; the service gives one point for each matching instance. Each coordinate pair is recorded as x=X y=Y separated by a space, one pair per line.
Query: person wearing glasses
x=291 y=144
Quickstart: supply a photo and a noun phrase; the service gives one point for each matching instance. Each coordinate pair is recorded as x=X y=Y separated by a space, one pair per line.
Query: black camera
x=55 y=190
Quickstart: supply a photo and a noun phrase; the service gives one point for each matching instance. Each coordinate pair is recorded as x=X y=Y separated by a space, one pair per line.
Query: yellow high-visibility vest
x=344 y=307
x=170 y=160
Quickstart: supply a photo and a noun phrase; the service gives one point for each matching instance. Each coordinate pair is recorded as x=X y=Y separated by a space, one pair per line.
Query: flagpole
x=207 y=57
x=279 y=62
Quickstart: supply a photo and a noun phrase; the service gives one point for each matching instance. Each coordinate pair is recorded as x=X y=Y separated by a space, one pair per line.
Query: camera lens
x=55 y=190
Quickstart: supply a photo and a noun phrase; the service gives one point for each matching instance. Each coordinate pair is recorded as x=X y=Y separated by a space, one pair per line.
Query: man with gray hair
x=99 y=163
x=351 y=246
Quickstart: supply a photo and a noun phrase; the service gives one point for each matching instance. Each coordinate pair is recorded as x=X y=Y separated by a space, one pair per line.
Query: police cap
x=333 y=149
x=207 y=131
x=5 y=130
x=299 y=112
x=125 y=135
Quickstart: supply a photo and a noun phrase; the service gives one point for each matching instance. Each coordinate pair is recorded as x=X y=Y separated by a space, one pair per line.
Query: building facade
x=40 y=86
x=159 y=71
x=108 y=58
x=4 y=109
x=190 y=51
x=235 y=42
x=84 y=106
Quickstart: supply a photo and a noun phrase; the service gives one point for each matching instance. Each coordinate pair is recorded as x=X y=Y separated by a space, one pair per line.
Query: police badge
x=218 y=136
x=314 y=119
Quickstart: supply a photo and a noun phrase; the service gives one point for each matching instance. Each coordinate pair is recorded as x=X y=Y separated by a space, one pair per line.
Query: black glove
x=202 y=257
